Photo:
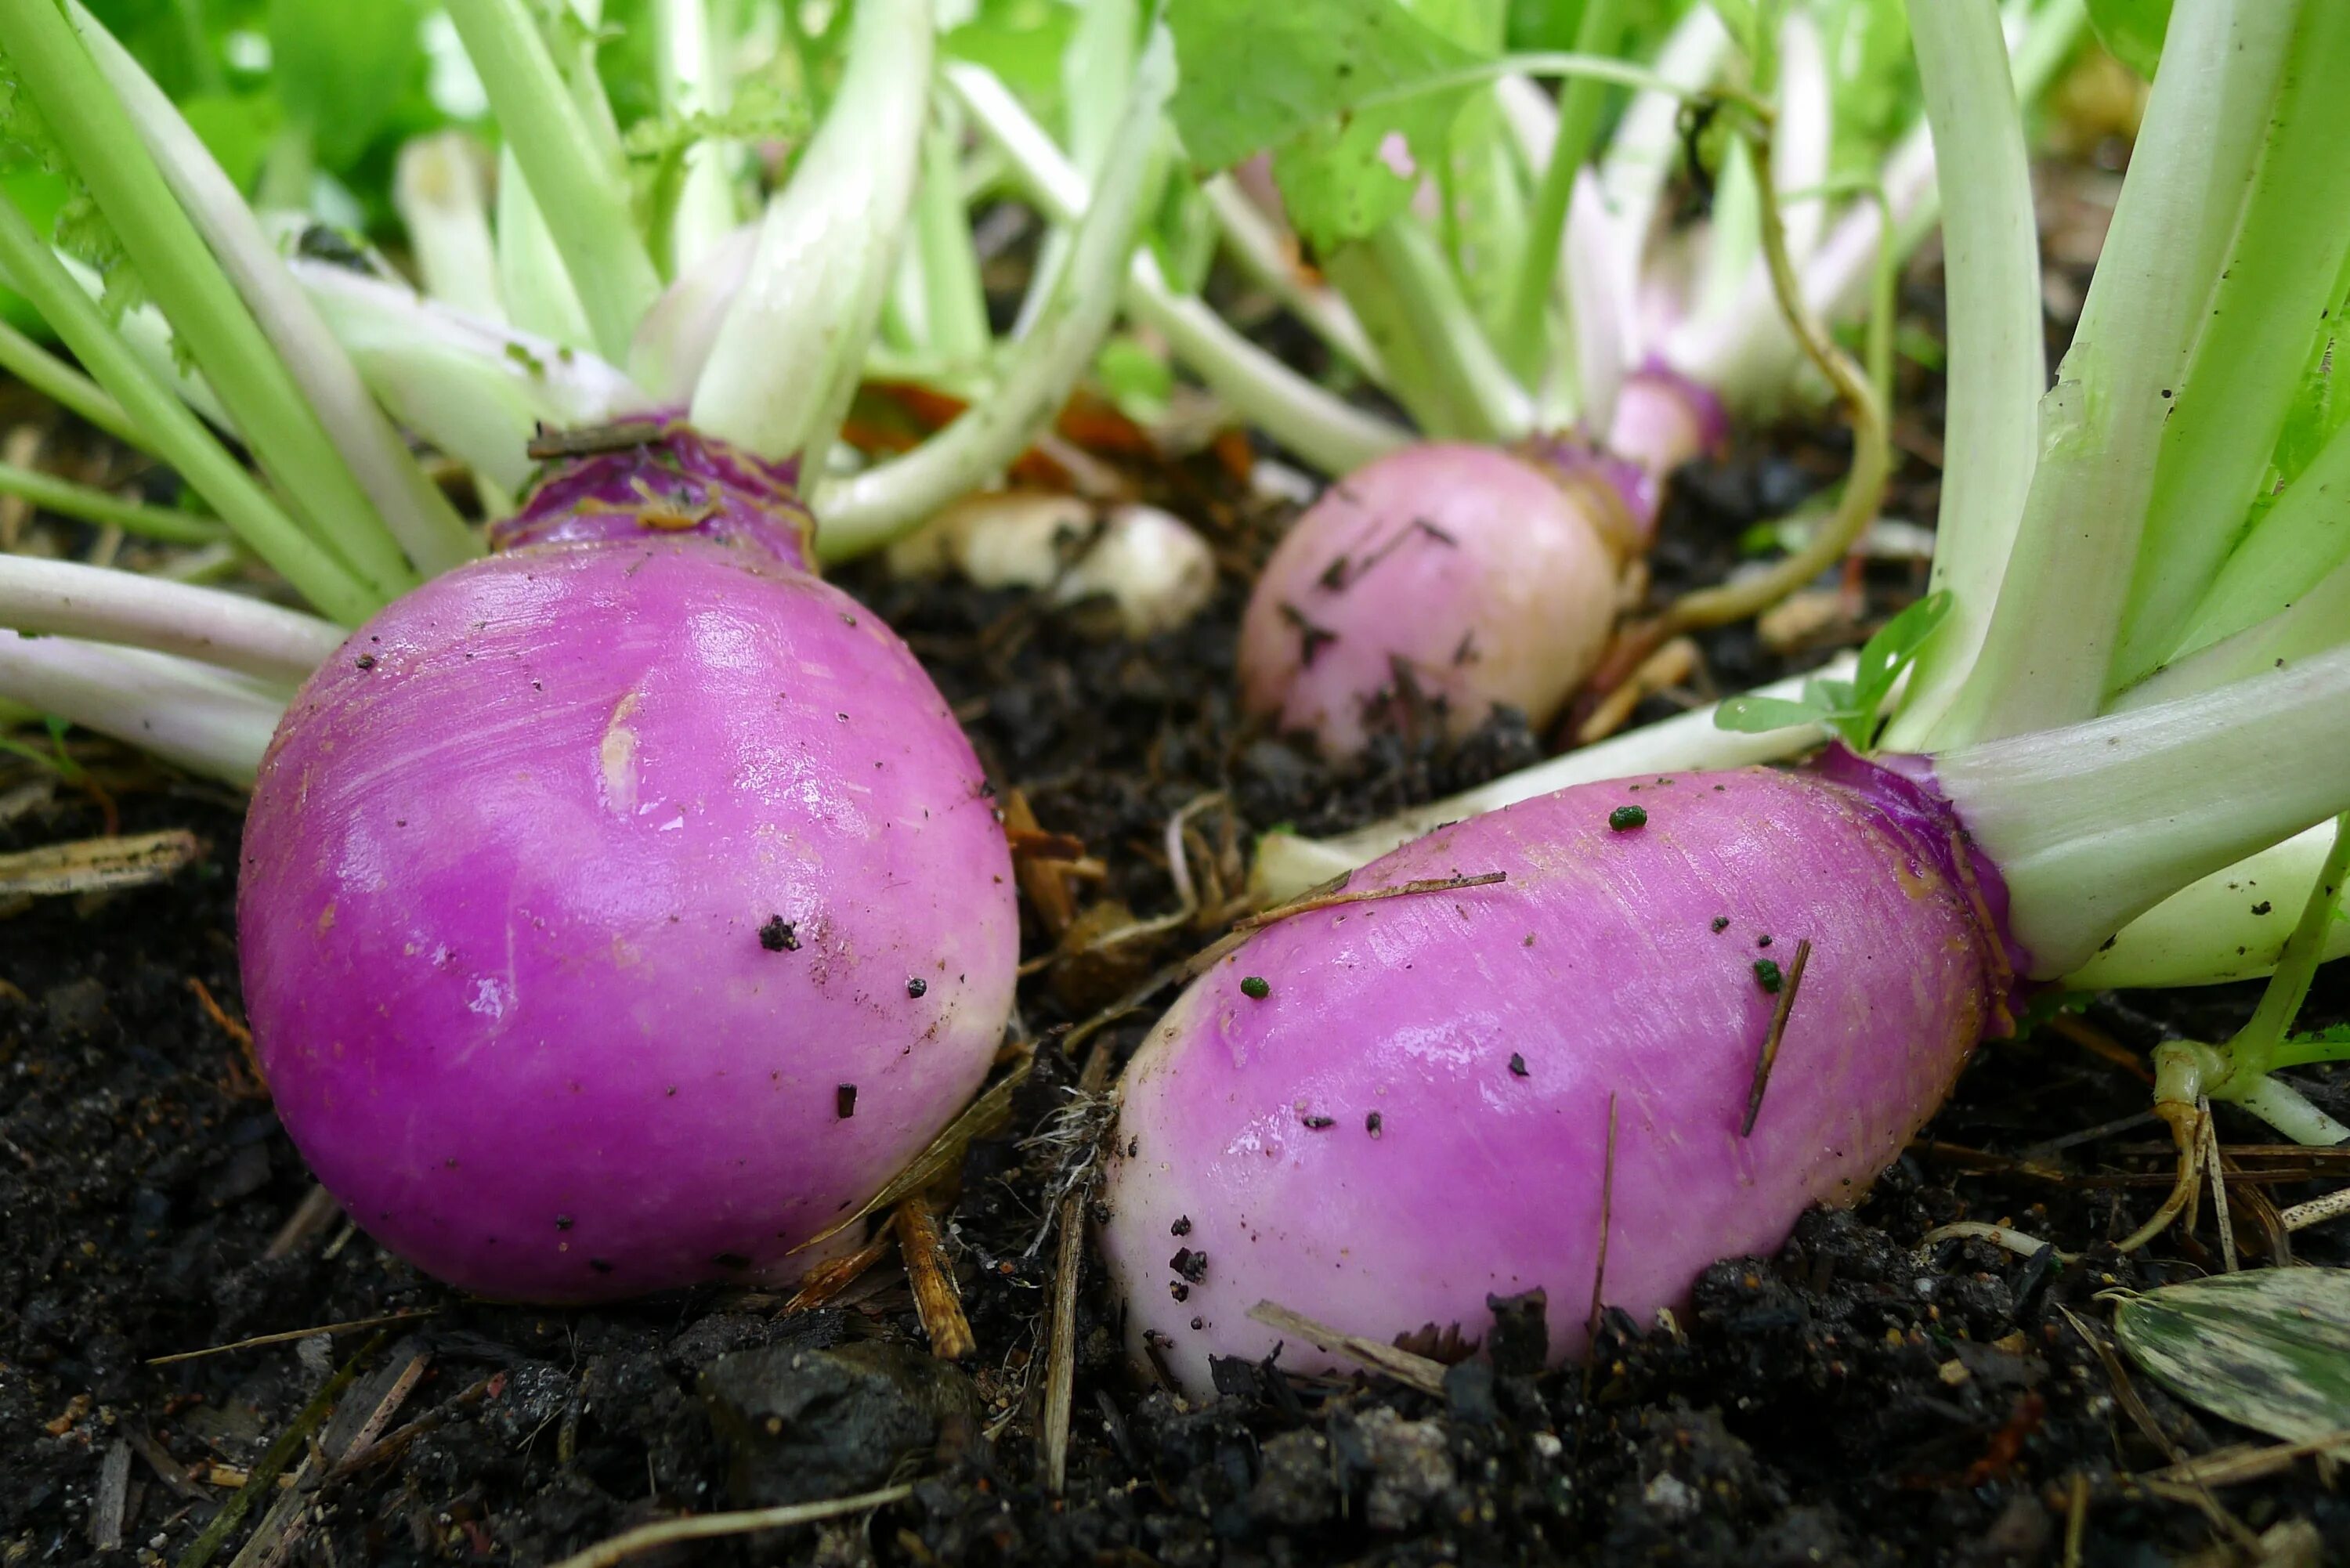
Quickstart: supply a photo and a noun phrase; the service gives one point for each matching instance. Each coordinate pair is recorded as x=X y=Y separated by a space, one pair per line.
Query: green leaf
x=1897 y=643
x=1760 y=715
x=342 y=66
x=1545 y=25
x=2268 y=1349
x=2131 y=31
x=1135 y=379
x=1021 y=41
x=235 y=129
x=1301 y=79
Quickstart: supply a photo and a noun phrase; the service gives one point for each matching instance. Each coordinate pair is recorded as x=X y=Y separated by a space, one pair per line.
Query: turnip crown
x=661 y=476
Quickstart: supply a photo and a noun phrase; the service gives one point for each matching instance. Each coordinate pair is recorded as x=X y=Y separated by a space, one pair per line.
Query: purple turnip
x=691 y=938
x=1380 y=1111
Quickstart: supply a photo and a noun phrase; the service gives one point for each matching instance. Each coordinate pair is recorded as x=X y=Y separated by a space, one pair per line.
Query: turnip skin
x=1663 y=419
x=1596 y=964
x=1468 y=573
x=508 y=868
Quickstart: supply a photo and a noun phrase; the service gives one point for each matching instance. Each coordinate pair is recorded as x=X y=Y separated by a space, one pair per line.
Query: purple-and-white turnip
x=1446 y=577
x=690 y=950
x=1381 y=1111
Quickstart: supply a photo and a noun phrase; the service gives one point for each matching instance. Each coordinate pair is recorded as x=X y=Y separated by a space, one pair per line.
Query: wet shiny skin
x=1596 y=964
x=506 y=871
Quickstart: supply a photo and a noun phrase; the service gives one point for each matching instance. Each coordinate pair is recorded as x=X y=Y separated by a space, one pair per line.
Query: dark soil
x=1856 y=1399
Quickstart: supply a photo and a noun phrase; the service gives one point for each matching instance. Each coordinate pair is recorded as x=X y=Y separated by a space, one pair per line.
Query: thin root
x=2185 y=1129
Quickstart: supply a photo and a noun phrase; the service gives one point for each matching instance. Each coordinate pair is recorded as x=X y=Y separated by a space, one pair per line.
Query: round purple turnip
x=1444 y=577
x=620 y=910
x=1382 y=1113
x=1450 y=577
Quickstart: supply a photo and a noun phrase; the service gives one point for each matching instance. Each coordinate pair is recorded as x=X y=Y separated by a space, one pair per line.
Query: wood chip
x=94 y=865
x=1412 y=1371
x=113 y=1494
x=932 y=1275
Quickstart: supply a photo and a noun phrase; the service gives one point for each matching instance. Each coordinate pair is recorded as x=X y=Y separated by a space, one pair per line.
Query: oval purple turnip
x=619 y=910
x=1411 y=1113
x=1445 y=575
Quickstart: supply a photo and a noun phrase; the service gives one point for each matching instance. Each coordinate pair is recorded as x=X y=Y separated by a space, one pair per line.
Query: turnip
x=1383 y=1112
x=1447 y=573
x=1650 y=1019
x=620 y=909
x=691 y=953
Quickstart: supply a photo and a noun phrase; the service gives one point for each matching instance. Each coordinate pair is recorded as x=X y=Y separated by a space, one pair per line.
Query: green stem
x=1452 y=342
x=1525 y=337
x=1551 y=63
x=2255 y=1050
x=2278 y=278
x=2050 y=642
x=954 y=305
x=1374 y=299
x=2318 y=619
x=1094 y=69
x=2209 y=933
x=1264 y=254
x=176 y=435
x=67 y=499
x=61 y=383
x=583 y=199
x=876 y=506
x=532 y=282
x=2305 y=533
x=289 y=169
x=194 y=293
x=693 y=81
x=1997 y=365
x=412 y=508
x=1324 y=429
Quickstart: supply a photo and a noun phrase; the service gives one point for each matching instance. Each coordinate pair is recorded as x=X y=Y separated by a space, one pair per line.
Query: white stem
x=475 y=389
x=1269 y=256
x=199 y=718
x=2094 y=823
x=1998 y=367
x=1286 y=865
x=786 y=363
x=63 y=598
x=673 y=341
x=693 y=81
x=2287 y=1109
x=1802 y=140
x=1326 y=430
x=537 y=293
x=872 y=508
x=2228 y=926
x=412 y=508
x=437 y=189
x=2317 y=619
x=1647 y=143
x=2051 y=634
